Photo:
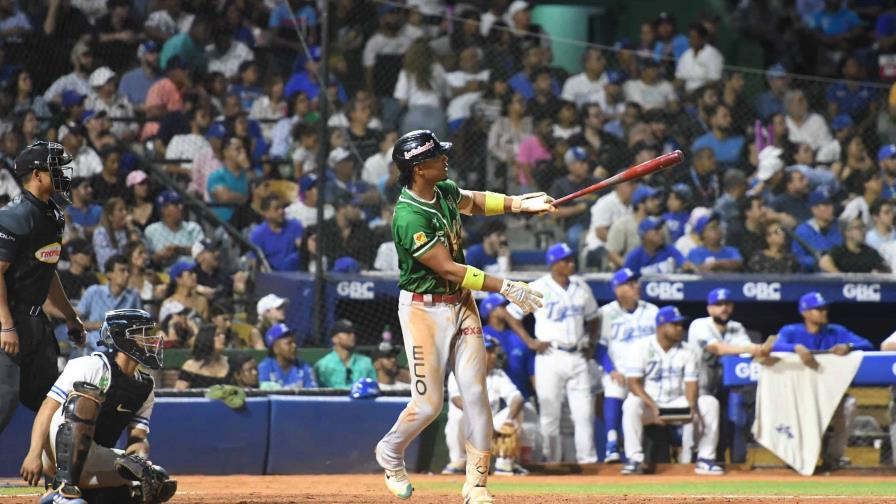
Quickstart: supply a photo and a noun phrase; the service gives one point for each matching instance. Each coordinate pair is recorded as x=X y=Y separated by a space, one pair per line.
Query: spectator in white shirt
x=392 y=39
x=86 y=162
x=376 y=167
x=188 y=146
x=225 y=55
x=803 y=125
x=650 y=90
x=881 y=232
x=582 y=87
x=77 y=80
x=860 y=206
x=609 y=208
x=701 y=63
x=106 y=99
x=420 y=87
x=304 y=209
x=464 y=87
x=168 y=21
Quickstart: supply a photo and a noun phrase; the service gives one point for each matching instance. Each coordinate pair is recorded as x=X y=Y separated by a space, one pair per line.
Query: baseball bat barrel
x=635 y=172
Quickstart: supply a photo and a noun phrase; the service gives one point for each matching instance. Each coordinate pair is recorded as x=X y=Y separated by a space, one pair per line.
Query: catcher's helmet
x=50 y=157
x=417 y=146
x=133 y=333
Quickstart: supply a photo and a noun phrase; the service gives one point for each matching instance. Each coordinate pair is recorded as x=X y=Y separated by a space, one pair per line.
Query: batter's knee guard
x=75 y=436
x=155 y=484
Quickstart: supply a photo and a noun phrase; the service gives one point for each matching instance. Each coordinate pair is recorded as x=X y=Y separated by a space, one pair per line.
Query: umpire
x=31 y=229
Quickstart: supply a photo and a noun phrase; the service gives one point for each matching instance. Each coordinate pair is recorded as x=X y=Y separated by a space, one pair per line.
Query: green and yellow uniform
x=417 y=226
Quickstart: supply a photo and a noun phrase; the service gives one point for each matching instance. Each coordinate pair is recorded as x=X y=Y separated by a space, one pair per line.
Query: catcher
x=506 y=420
x=81 y=419
x=439 y=318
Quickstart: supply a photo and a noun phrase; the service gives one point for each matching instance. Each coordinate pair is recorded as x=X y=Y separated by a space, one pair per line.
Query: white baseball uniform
x=664 y=375
x=564 y=368
x=99 y=467
x=618 y=330
x=701 y=333
x=500 y=390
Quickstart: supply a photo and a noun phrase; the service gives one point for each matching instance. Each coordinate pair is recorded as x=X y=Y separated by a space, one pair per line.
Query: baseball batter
x=623 y=322
x=439 y=318
x=562 y=369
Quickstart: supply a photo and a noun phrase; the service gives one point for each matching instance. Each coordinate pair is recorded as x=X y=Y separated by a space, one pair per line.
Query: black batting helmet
x=133 y=333
x=50 y=157
x=417 y=146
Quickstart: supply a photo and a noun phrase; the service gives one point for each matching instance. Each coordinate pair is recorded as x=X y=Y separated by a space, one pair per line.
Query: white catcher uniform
x=99 y=467
x=618 y=330
x=499 y=388
x=564 y=368
x=664 y=375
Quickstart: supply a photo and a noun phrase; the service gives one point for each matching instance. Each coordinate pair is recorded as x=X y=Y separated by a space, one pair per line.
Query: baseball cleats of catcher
x=478 y=495
x=455 y=467
x=707 y=467
x=507 y=467
x=55 y=497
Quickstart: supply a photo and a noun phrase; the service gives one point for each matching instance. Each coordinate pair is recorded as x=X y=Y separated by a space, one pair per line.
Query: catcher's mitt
x=506 y=442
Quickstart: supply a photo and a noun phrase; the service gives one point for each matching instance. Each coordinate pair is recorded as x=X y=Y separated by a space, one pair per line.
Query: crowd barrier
x=876 y=370
x=275 y=434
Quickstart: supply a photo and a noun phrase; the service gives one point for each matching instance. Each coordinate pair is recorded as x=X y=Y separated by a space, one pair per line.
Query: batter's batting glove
x=520 y=294
x=532 y=203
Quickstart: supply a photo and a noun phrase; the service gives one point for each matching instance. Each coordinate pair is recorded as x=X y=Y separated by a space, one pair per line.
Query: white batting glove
x=520 y=294
x=533 y=203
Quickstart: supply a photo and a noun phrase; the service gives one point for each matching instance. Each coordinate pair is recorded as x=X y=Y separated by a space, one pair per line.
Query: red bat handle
x=635 y=172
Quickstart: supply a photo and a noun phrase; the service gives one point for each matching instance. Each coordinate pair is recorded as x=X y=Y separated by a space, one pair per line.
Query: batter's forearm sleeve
x=603 y=356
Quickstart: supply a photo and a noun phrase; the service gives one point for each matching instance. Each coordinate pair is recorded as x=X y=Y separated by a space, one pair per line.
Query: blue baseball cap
x=623 y=276
x=276 y=332
x=776 y=71
x=307 y=182
x=841 y=121
x=719 y=296
x=90 y=114
x=168 y=197
x=574 y=154
x=558 y=252
x=489 y=303
x=704 y=221
x=216 y=130
x=819 y=197
x=490 y=342
x=887 y=151
x=683 y=191
x=178 y=268
x=71 y=98
x=150 y=46
x=641 y=193
x=346 y=265
x=649 y=224
x=615 y=77
x=812 y=301
x=669 y=315
x=365 y=388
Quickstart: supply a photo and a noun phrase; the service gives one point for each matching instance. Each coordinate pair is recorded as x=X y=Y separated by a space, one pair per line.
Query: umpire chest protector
x=124 y=398
x=31 y=241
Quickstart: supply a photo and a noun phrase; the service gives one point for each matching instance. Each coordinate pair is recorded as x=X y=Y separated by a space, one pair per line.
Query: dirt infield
x=542 y=489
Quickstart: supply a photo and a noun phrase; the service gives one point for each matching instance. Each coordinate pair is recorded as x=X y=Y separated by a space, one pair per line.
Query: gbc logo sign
x=862 y=292
x=355 y=290
x=667 y=291
x=763 y=291
x=747 y=370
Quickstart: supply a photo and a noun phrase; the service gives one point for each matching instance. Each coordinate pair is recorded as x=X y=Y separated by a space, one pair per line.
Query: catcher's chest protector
x=124 y=398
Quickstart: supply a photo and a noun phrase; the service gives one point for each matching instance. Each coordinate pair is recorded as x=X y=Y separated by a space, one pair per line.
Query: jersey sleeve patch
x=419 y=239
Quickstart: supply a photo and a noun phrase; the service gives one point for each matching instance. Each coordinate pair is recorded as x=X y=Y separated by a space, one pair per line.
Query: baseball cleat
x=478 y=495
x=55 y=497
x=399 y=484
x=633 y=467
x=455 y=468
x=504 y=467
x=612 y=453
x=707 y=467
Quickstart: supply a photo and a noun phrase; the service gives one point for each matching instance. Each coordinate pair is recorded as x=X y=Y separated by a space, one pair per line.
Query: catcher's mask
x=49 y=157
x=135 y=334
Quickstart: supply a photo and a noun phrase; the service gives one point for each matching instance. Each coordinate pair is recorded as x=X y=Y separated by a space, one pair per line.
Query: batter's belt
x=430 y=299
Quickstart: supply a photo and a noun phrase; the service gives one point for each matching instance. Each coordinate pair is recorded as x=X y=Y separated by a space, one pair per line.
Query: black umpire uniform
x=31 y=243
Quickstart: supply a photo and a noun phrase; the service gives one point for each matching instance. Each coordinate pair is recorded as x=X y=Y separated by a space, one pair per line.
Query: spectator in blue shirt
x=654 y=256
x=247 y=87
x=492 y=254
x=306 y=78
x=114 y=295
x=521 y=82
x=849 y=96
x=793 y=200
x=711 y=255
x=820 y=233
x=278 y=238
x=678 y=210
x=281 y=368
x=136 y=83
x=520 y=362
x=727 y=147
x=836 y=22
x=229 y=184
x=886 y=160
x=815 y=333
x=771 y=102
x=669 y=43
x=83 y=212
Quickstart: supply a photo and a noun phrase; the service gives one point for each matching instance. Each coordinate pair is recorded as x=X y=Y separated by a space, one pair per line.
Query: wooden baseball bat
x=632 y=173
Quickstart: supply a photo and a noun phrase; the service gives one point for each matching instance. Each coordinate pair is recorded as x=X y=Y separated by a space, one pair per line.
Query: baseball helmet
x=47 y=156
x=365 y=388
x=133 y=333
x=417 y=146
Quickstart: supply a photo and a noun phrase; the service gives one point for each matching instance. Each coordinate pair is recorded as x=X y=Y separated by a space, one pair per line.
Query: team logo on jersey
x=49 y=253
x=419 y=238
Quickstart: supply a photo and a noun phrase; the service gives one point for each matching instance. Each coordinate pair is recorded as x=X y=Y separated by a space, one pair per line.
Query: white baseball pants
x=99 y=467
x=635 y=414
x=559 y=373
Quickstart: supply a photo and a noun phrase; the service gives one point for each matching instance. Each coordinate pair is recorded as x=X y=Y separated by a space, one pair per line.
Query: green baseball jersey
x=417 y=226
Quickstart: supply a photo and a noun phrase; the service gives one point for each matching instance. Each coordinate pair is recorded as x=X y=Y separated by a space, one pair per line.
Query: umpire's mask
x=135 y=334
x=50 y=157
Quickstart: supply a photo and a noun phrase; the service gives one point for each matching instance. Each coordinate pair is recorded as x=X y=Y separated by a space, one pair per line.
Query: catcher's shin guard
x=75 y=436
x=155 y=484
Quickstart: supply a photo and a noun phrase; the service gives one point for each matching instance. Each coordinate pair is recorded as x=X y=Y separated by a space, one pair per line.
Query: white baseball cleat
x=478 y=495
x=399 y=484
